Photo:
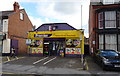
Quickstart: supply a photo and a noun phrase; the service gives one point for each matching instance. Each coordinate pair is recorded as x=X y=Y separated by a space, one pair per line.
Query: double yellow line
x=8 y=58
x=6 y=73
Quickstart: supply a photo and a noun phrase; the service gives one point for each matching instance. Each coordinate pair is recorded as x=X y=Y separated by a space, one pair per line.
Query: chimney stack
x=16 y=6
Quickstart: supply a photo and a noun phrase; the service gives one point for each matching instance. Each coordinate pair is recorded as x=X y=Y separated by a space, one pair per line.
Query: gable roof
x=7 y=13
x=60 y=26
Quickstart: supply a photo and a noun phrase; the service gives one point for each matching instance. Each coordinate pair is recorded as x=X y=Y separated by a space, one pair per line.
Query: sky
x=54 y=11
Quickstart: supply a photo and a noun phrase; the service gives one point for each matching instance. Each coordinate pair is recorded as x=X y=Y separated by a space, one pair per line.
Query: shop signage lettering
x=42 y=35
x=64 y=35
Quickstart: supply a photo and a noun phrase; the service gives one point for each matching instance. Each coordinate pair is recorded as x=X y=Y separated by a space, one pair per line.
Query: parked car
x=107 y=59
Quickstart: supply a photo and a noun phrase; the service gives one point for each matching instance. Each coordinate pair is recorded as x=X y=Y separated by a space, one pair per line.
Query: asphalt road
x=54 y=65
x=43 y=65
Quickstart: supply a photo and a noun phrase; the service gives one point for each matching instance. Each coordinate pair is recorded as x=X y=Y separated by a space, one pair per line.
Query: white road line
x=40 y=60
x=49 y=60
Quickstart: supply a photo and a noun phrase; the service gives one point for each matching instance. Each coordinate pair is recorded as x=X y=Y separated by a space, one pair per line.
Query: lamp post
x=81 y=16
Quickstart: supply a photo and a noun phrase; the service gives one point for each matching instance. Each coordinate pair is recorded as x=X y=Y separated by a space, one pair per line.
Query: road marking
x=40 y=60
x=13 y=60
x=6 y=73
x=16 y=57
x=87 y=65
x=8 y=58
x=49 y=60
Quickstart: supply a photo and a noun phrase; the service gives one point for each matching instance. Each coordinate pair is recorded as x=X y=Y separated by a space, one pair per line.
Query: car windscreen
x=109 y=53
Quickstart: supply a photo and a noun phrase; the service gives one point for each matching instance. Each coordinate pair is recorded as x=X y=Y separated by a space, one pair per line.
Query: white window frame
x=119 y=42
x=21 y=16
x=100 y=20
x=101 y=41
x=109 y=17
x=118 y=18
x=5 y=25
x=111 y=41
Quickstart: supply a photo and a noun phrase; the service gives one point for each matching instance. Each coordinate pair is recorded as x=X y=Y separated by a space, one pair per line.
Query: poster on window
x=33 y=50
x=39 y=43
x=72 y=43
x=36 y=43
x=37 y=50
x=40 y=50
x=28 y=41
x=73 y=51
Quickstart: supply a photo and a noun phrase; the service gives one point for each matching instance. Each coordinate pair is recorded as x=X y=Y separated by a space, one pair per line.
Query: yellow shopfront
x=56 y=43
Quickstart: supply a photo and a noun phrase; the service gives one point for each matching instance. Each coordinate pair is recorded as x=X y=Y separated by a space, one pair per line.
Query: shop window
x=110 y=19
x=100 y=41
x=119 y=43
x=111 y=41
x=72 y=43
x=100 y=20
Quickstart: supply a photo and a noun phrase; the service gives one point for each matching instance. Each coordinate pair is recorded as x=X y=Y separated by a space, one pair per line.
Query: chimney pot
x=16 y=6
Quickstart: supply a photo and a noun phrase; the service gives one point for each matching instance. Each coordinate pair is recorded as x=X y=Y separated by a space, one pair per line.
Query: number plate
x=117 y=65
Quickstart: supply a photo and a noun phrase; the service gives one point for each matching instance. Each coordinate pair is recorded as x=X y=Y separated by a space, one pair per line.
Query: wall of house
x=92 y=28
x=18 y=29
x=93 y=24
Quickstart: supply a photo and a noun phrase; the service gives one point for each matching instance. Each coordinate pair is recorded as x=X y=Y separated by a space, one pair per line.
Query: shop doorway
x=53 y=46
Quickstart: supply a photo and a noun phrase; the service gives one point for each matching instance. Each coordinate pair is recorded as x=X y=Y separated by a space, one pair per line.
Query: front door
x=14 y=43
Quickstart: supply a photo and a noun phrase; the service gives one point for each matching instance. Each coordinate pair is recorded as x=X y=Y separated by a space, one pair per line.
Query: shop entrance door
x=54 y=46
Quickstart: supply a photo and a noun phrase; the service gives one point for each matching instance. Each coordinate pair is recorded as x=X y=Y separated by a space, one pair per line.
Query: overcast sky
x=53 y=11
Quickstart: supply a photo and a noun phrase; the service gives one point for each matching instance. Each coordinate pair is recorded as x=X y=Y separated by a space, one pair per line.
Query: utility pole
x=81 y=16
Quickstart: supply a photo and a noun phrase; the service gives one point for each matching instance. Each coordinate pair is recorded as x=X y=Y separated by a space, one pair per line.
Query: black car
x=108 y=59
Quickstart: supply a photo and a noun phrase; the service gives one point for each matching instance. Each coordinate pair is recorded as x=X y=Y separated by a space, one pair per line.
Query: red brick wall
x=19 y=28
x=91 y=27
x=93 y=22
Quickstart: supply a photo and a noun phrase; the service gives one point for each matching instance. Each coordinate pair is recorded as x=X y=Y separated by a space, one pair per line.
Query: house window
x=21 y=16
x=119 y=43
x=101 y=41
x=111 y=41
x=118 y=18
x=110 y=19
x=100 y=20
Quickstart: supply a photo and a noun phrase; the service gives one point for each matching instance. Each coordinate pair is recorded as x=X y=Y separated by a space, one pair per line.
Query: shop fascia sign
x=42 y=35
x=54 y=34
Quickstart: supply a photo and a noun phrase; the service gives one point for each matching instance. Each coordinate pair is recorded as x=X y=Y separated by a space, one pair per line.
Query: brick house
x=14 y=25
x=104 y=25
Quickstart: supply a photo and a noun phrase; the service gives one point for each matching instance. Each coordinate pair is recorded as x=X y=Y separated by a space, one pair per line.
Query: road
x=53 y=65
x=43 y=65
